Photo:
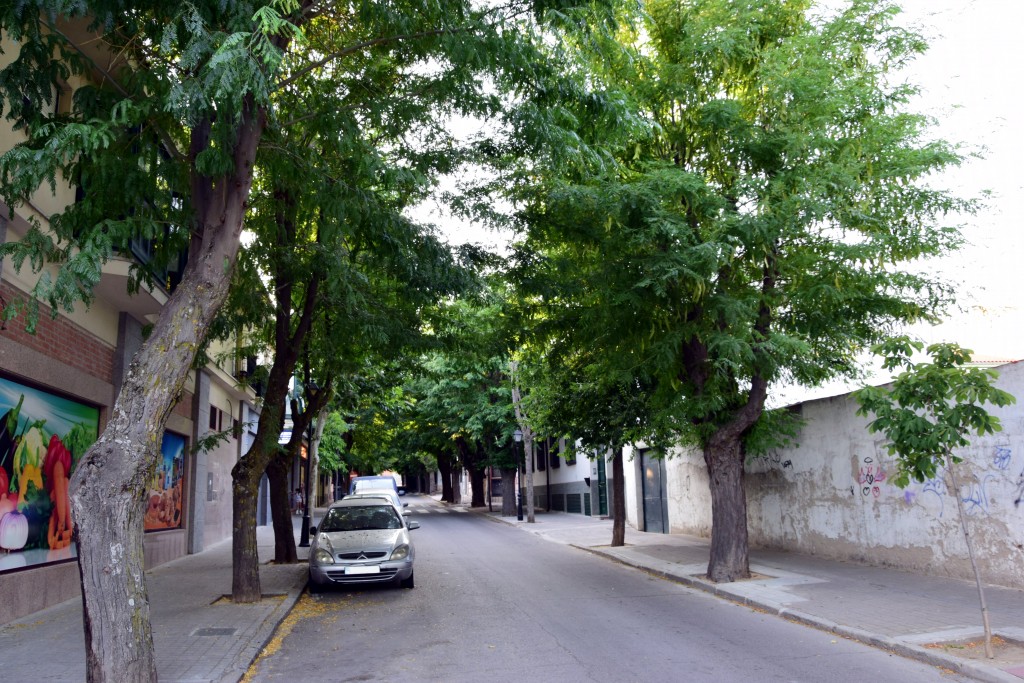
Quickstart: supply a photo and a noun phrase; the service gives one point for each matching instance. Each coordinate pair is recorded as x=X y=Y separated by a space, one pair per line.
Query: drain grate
x=214 y=631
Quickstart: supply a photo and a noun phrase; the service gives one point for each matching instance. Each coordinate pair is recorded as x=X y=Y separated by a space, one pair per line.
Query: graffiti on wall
x=936 y=486
x=1002 y=457
x=985 y=480
x=975 y=496
x=775 y=461
x=990 y=474
x=870 y=477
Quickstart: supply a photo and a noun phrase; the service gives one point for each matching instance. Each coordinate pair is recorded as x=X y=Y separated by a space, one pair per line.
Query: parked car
x=361 y=540
x=387 y=494
x=375 y=481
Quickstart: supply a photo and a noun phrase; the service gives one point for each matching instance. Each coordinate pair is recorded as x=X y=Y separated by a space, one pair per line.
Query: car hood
x=372 y=539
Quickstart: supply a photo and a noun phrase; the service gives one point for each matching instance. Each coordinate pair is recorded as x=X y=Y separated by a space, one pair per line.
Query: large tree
x=184 y=90
x=762 y=230
x=347 y=272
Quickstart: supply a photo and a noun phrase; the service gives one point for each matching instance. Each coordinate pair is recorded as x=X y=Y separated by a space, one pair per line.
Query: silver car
x=361 y=540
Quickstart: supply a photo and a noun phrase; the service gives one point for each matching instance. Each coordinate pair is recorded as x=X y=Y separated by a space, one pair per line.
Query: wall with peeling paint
x=831 y=495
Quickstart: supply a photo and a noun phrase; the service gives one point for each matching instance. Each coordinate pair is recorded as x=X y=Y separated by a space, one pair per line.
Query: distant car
x=376 y=481
x=361 y=540
x=388 y=494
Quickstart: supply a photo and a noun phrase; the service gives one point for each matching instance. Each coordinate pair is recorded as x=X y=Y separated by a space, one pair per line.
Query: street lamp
x=312 y=389
x=517 y=436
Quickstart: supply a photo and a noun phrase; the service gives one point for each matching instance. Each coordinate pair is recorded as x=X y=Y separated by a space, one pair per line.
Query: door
x=602 y=488
x=655 y=500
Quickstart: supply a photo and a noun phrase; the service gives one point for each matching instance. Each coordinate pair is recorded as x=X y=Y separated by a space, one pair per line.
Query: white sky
x=971 y=79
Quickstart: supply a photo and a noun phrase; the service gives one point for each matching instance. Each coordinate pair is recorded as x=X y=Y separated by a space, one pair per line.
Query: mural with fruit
x=42 y=437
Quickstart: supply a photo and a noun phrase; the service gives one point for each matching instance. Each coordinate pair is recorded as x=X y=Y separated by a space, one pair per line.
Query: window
x=553 y=457
x=567 y=451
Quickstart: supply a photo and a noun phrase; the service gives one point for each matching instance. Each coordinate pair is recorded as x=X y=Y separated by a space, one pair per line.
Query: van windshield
x=375 y=483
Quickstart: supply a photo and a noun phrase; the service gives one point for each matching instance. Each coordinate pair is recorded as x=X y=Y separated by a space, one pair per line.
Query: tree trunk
x=245 y=573
x=729 y=559
x=445 y=467
x=456 y=483
x=245 y=480
x=508 y=491
x=476 y=483
x=108 y=487
x=281 y=509
x=985 y=623
x=109 y=522
x=530 y=508
x=618 y=499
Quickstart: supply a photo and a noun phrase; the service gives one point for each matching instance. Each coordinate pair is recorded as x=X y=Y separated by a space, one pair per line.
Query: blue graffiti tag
x=976 y=498
x=1002 y=457
x=937 y=487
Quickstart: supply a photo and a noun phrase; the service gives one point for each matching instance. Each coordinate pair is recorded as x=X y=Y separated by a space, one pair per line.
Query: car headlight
x=400 y=553
x=321 y=556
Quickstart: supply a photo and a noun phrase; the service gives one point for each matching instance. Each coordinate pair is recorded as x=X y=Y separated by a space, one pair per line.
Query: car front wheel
x=410 y=582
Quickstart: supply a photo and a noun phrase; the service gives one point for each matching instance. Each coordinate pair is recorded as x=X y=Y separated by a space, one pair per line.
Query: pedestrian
x=297 y=502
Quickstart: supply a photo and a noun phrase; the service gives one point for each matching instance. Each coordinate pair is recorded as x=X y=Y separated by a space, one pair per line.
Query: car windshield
x=361 y=518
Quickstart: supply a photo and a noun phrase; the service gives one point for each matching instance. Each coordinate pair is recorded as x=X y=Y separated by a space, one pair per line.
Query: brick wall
x=61 y=340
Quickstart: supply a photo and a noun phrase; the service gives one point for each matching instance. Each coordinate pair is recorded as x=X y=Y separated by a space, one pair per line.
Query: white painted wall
x=831 y=495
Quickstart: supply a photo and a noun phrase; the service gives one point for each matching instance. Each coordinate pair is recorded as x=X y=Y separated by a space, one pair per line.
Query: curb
x=264 y=634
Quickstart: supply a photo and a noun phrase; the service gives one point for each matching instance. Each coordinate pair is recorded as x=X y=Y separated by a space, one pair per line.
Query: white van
x=378 y=481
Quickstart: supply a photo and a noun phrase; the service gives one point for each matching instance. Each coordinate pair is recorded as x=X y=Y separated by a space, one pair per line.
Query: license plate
x=363 y=570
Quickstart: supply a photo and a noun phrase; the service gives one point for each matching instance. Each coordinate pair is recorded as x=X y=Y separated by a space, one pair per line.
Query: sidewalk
x=898 y=611
x=197 y=636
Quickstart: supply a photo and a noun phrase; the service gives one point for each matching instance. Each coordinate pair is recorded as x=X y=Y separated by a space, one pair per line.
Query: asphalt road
x=493 y=603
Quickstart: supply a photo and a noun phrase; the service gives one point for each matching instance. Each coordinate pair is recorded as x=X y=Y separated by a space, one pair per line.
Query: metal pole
x=304 y=533
x=519 y=493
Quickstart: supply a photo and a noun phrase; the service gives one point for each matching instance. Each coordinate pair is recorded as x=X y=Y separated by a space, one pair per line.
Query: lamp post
x=312 y=389
x=517 y=436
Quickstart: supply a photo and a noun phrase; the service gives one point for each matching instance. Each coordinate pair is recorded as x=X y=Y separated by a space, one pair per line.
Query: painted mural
x=163 y=508
x=42 y=438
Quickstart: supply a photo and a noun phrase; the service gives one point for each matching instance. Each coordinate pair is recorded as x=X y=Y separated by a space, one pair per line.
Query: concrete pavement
x=200 y=637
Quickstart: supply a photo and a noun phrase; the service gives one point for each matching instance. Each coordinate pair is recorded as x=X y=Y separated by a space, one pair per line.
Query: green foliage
x=761 y=214
x=932 y=406
x=331 y=450
x=462 y=397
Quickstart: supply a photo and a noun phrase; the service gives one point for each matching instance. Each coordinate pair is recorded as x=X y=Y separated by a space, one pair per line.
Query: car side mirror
x=413 y=524
x=312 y=531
